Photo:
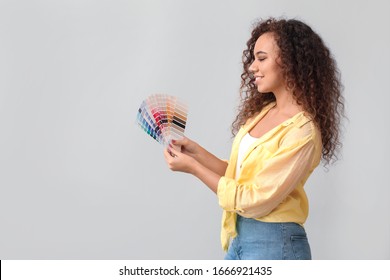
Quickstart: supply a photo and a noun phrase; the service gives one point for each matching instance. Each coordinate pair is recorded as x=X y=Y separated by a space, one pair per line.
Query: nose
x=253 y=67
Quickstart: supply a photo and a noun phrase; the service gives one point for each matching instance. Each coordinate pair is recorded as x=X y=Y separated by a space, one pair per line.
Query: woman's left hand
x=178 y=161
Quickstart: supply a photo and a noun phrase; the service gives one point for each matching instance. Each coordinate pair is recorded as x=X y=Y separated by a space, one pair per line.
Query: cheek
x=277 y=72
x=269 y=67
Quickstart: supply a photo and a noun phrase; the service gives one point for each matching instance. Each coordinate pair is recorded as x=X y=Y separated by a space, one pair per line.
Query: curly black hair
x=310 y=72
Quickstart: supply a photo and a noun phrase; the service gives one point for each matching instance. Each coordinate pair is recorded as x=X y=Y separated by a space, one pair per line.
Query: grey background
x=80 y=180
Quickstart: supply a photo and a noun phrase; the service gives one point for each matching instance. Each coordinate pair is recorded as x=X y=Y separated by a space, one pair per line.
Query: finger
x=176 y=152
x=179 y=142
x=170 y=153
x=175 y=147
x=167 y=156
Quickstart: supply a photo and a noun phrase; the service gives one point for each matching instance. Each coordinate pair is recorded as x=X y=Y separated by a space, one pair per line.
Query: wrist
x=196 y=168
x=199 y=153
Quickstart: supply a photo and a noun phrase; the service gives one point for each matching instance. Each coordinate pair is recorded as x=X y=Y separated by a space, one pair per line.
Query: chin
x=262 y=90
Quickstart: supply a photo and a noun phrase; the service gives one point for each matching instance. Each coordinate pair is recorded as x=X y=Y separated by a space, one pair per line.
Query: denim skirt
x=258 y=240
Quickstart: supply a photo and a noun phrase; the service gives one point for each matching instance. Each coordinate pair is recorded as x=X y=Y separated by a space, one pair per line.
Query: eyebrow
x=260 y=52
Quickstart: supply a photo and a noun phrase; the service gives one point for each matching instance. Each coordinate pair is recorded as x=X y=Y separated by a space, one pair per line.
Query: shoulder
x=303 y=135
x=301 y=129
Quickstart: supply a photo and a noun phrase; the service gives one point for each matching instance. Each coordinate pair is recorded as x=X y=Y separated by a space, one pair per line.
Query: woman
x=288 y=120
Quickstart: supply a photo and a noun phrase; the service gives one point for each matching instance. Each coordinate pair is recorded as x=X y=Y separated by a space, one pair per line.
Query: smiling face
x=267 y=72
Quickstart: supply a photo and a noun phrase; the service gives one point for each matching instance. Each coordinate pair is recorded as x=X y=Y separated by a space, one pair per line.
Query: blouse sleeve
x=271 y=185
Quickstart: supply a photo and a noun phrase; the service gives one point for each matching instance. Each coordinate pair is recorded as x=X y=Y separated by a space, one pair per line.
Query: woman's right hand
x=186 y=146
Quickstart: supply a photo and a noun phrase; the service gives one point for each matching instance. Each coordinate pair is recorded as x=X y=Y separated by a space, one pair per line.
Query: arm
x=272 y=183
x=209 y=161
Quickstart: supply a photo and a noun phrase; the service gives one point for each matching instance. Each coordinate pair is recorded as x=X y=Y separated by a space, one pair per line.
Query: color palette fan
x=163 y=117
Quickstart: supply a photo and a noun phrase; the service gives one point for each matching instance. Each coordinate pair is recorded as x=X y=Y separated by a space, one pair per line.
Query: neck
x=286 y=103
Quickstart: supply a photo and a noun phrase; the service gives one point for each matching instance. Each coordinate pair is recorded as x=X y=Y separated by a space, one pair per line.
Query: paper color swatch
x=163 y=117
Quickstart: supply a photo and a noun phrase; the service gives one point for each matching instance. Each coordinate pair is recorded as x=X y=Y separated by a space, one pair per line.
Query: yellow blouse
x=269 y=187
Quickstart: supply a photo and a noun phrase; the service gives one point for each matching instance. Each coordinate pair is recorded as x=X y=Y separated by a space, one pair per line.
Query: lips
x=258 y=78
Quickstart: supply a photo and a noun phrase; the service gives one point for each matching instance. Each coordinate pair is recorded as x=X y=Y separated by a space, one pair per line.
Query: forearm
x=211 y=162
x=207 y=176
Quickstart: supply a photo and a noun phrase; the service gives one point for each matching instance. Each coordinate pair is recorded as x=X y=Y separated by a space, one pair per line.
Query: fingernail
x=173 y=141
